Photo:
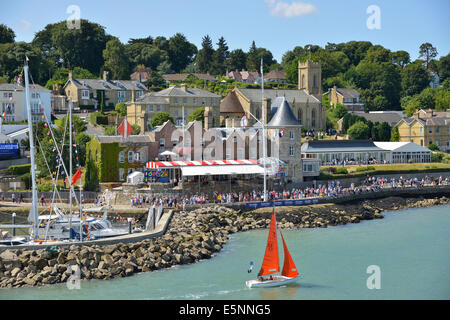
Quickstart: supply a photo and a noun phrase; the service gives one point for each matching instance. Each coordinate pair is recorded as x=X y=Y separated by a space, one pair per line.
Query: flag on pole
x=244 y=121
x=282 y=132
x=76 y=176
x=125 y=128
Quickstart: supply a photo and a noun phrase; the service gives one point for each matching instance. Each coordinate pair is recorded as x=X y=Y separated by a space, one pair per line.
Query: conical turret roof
x=283 y=117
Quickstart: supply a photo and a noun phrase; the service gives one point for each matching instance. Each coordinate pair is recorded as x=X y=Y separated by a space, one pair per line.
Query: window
x=303 y=81
x=313 y=118
x=421 y=129
x=203 y=101
x=299 y=115
x=291 y=135
x=150 y=108
x=215 y=102
x=121 y=157
x=176 y=113
x=130 y=156
x=185 y=100
x=437 y=129
x=121 y=94
x=195 y=101
x=158 y=108
x=437 y=142
x=84 y=94
x=162 y=143
x=7 y=94
x=430 y=130
x=291 y=151
x=137 y=156
x=175 y=100
x=121 y=172
x=35 y=95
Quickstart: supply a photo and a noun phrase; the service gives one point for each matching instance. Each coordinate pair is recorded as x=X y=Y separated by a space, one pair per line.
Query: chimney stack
x=133 y=95
x=70 y=75
x=184 y=87
x=105 y=75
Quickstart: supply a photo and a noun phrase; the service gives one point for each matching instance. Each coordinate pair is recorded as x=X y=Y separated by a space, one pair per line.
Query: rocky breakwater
x=191 y=237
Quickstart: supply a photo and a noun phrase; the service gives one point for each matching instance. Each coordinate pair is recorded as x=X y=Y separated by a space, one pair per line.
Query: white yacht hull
x=276 y=282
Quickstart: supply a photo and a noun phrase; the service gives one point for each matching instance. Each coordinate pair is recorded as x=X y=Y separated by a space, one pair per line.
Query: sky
x=277 y=25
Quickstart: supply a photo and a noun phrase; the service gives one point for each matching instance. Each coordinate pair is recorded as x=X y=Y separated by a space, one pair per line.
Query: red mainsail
x=271 y=263
x=289 y=268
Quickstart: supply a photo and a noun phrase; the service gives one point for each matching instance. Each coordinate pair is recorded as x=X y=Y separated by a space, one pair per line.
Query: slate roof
x=17 y=87
x=176 y=91
x=275 y=74
x=340 y=146
x=182 y=76
x=283 y=117
x=142 y=138
x=254 y=95
x=98 y=84
x=348 y=92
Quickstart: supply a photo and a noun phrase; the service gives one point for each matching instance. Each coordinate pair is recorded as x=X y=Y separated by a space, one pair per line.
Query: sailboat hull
x=276 y=282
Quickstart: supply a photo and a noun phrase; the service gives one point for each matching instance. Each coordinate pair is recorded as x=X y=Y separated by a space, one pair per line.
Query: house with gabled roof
x=91 y=93
x=348 y=97
x=174 y=100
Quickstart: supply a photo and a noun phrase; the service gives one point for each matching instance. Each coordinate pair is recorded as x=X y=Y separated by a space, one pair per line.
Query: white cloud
x=294 y=9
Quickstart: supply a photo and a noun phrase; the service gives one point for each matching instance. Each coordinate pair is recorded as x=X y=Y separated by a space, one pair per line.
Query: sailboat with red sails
x=271 y=265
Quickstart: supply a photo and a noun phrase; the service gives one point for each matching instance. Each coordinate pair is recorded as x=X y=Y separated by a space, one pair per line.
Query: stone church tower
x=310 y=77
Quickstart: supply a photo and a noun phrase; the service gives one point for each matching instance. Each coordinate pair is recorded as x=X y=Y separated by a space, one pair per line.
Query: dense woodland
x=387 y=80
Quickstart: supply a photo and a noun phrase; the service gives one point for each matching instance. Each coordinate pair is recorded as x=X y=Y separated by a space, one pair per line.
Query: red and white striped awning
x=179 y=164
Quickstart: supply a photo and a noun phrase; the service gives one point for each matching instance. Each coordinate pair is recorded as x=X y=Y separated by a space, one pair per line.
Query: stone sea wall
x=191 y=236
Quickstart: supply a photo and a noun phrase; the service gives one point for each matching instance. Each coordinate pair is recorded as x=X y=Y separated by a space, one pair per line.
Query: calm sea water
x=411 y=248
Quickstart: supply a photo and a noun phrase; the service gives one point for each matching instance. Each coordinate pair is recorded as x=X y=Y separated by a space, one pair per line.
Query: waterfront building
x=92 y=93
x=13 y=103
x=115 y=157
x=426 y=127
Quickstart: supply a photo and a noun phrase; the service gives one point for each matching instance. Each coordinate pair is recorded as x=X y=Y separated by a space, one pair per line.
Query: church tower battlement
x=310 y=77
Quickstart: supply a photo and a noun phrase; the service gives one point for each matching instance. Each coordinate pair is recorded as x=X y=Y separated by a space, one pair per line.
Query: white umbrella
x=167 y=153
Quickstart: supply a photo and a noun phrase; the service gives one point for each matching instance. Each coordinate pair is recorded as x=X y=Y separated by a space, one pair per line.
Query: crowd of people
x=330 y=189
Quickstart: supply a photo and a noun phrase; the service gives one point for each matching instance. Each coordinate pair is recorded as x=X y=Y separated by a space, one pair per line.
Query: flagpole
x=264 y=130
x=34 y=212
x=70 y=168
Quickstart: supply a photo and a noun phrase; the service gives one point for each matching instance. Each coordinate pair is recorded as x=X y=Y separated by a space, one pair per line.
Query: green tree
x=12 y=59
x=121 y=109
x=197 y=115
x=359 y=131
x=428 y=52
x=400 y=58
x=339 y=111
x=395 y=134
x=433 y=147
x=253 y=60
x=181 y=52
x=220 y=57
x=205 y=55
x=115 y=59
x=136 y=129
x=415 y=78
x=7 y=35
x=73 y=47
x=160 y=118
x=237 y=60
x=110 y=131
x=155 y=79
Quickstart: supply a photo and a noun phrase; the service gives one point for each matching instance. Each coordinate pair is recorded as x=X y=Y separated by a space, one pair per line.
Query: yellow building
x=94 y=92
x=426 y=127
x=173 y=100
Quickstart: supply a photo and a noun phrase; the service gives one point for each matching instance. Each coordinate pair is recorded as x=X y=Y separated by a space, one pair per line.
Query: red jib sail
x=271 y=263
x=289 y=268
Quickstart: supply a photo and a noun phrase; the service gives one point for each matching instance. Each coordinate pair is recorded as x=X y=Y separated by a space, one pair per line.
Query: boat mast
x=70 y=168
x=34 y=212
x=264 y=131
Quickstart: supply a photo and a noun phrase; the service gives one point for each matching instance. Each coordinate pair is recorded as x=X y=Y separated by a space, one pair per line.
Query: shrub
x=341 y=170
x=26 y=178
x=19 y=169
x=98 y=118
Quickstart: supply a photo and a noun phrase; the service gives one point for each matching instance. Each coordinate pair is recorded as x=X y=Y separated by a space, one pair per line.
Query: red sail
x=289 y=268
x=271 y=263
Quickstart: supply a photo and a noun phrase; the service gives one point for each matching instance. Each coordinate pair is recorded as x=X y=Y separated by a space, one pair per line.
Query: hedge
x=98 y=118
x=19 y=169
